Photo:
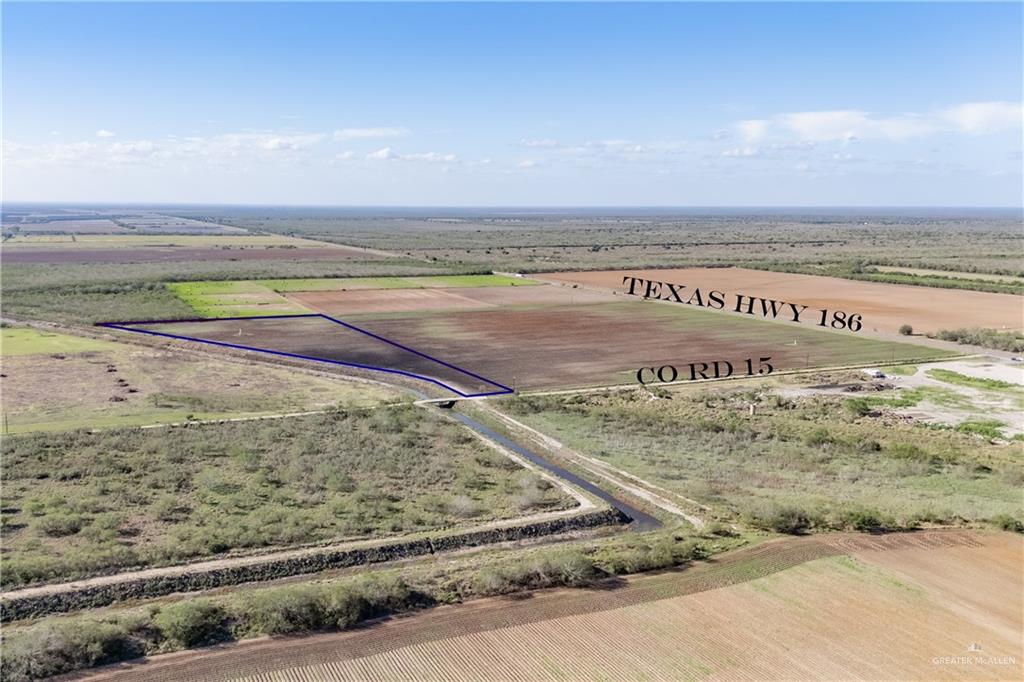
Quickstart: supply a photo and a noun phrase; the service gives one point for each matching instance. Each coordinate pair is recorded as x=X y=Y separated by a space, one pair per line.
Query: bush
x=545 y=570
x=906 y=330
x=1007 y=522
x=55 y=648
x=781 y=519
x=343 y=606
x=59 y=524
x=284 y=611
x=988 y=338
x=863 y=520
x=664 y=552
x=195 y=622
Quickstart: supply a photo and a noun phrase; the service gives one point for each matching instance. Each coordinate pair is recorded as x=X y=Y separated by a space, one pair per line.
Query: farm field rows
x=885 y=307
x=824 y=598
x=320 y=338
x=526 y=345
x=233 y=298
x=499 y=331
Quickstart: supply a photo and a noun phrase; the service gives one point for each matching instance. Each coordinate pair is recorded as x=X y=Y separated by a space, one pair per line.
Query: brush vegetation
x=78 y=503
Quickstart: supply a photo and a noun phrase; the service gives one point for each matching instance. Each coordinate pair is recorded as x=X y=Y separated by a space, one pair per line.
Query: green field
x=19 y=341
x=250 y=298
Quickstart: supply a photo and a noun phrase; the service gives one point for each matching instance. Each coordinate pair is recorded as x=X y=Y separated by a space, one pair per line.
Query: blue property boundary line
x=124 y=326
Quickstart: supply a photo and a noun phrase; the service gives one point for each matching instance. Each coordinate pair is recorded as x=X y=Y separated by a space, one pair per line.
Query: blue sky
x=514 y=104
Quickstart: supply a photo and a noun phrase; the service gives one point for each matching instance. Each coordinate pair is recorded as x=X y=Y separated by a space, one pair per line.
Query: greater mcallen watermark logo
x=975 y=656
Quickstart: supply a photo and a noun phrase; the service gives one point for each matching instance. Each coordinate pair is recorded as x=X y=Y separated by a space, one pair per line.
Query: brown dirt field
x=96 y=226
x=146 y=255
x=605 y=343
x=417 y=300
x=884 y=306
x=828 y=608
x=130 y=385
x=320 y=338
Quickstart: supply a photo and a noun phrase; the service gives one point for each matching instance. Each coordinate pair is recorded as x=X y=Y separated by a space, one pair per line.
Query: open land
x=125 y=498
x=611 y=341
x=56 y=381
x=709 y=466
x=933 y=594
x=148 y=248
x=787 y=464
x=317 y=337
x=527 y=345
x=982 y=396
x=264 y=297
x=885 y=307
x=837 y=243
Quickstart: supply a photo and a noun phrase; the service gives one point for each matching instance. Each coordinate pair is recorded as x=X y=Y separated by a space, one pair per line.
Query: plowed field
x=421 y=300
x=884 y=306
x=927 y=606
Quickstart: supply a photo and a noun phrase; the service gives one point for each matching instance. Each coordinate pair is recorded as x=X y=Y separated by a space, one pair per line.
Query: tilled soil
x=885 y=307
x=831 y=607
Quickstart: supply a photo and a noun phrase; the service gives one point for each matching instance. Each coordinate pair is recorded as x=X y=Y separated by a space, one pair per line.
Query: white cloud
x=985 y=117
x=104 y=133
x=431 y=156
x=847 y=125
x=388 y=154
x=382 y=154
x=526 y=163
x=219 y=150
x=275 y=143
x=752 y=131
x=547 y=143
x=368 y=133
x=742 y=152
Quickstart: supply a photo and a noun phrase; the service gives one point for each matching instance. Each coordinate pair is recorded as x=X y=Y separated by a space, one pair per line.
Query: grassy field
x=106 y=292
x=263 y=297
x=77 y=503
x=106 y=384
x=129 y=241
x=796 y=464
x=15 y=341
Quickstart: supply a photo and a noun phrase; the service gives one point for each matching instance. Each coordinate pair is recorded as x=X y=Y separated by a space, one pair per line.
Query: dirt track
x=884 y=306
x=629 y=626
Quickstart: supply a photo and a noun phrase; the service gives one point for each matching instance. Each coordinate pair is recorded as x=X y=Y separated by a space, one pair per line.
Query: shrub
x=60 y=524
x=195 y=622
x=906 y=330
x=1007 y=522
x=54 y=648
x=863 y=520
x=819 y=436
x=988 y=338
x=909 y=451
x=283 y=611
x=781 y=519
x=545 y=570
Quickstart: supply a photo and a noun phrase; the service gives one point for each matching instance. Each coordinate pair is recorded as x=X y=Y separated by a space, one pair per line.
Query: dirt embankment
x=34 y=602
